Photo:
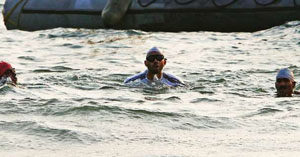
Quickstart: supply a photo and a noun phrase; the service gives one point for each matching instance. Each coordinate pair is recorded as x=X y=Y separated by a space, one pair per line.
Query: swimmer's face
x=155 y=62
x=285 y=87
x=12 y=74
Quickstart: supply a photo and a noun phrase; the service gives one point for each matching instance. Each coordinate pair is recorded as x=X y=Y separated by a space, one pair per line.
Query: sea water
x=71 y=100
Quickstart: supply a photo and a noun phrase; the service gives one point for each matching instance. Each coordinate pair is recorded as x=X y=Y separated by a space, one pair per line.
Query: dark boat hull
x=160 y=15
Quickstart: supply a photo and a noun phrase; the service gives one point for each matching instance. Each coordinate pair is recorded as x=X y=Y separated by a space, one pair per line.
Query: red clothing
x=4 y=66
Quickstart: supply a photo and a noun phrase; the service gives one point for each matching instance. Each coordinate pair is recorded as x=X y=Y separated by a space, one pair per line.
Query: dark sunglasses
x=282 y=80
x=153 y=57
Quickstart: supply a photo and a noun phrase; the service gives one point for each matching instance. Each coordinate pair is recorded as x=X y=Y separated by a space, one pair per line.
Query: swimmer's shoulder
x=173 y=79
x=141 y=75
x=2 y=81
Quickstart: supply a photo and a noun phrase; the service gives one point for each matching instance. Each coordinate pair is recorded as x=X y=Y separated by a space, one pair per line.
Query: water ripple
x=264 y=111
x=37 y=129
x=198 y=100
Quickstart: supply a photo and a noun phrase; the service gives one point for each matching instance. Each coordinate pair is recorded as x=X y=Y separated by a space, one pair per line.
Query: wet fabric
x=4 y=67
x=167 y=79
x=2 y=80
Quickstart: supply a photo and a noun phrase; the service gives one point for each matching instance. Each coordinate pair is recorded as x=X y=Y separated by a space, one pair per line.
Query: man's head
x=155 y=61
x=6 y=70
x=285 y=83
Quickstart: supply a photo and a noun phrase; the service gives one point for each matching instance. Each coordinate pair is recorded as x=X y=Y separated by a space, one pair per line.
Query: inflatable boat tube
x=114 y=11
x=150 y=15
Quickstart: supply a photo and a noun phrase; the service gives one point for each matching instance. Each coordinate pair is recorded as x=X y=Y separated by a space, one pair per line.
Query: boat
x=150 y=15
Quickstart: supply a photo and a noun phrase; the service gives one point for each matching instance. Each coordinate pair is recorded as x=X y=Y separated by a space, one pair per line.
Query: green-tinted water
x=72 y=101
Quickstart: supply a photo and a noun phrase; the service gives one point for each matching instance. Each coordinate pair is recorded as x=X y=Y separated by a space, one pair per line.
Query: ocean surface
x=71 y=100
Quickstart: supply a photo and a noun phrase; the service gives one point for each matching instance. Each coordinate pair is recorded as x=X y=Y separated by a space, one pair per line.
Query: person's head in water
x=155 y=62
x=285 y=83
x=6 y=70
x=154 y=75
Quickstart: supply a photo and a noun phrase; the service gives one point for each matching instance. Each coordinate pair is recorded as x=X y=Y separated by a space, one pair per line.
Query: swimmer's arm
x=297 y=92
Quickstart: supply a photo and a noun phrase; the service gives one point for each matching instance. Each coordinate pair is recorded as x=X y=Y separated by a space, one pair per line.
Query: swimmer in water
x=7 y=71
x=155 y=62
x=285 y=83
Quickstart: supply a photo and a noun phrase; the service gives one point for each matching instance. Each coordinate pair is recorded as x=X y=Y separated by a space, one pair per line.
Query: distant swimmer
x=7 y=71
x=285 y=83
x=155 y=62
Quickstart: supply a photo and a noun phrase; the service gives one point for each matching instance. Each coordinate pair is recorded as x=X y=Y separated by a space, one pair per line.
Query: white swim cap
x=285 y=73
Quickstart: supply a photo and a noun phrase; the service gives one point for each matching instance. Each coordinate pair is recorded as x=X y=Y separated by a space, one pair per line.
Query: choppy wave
x=44 y=131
